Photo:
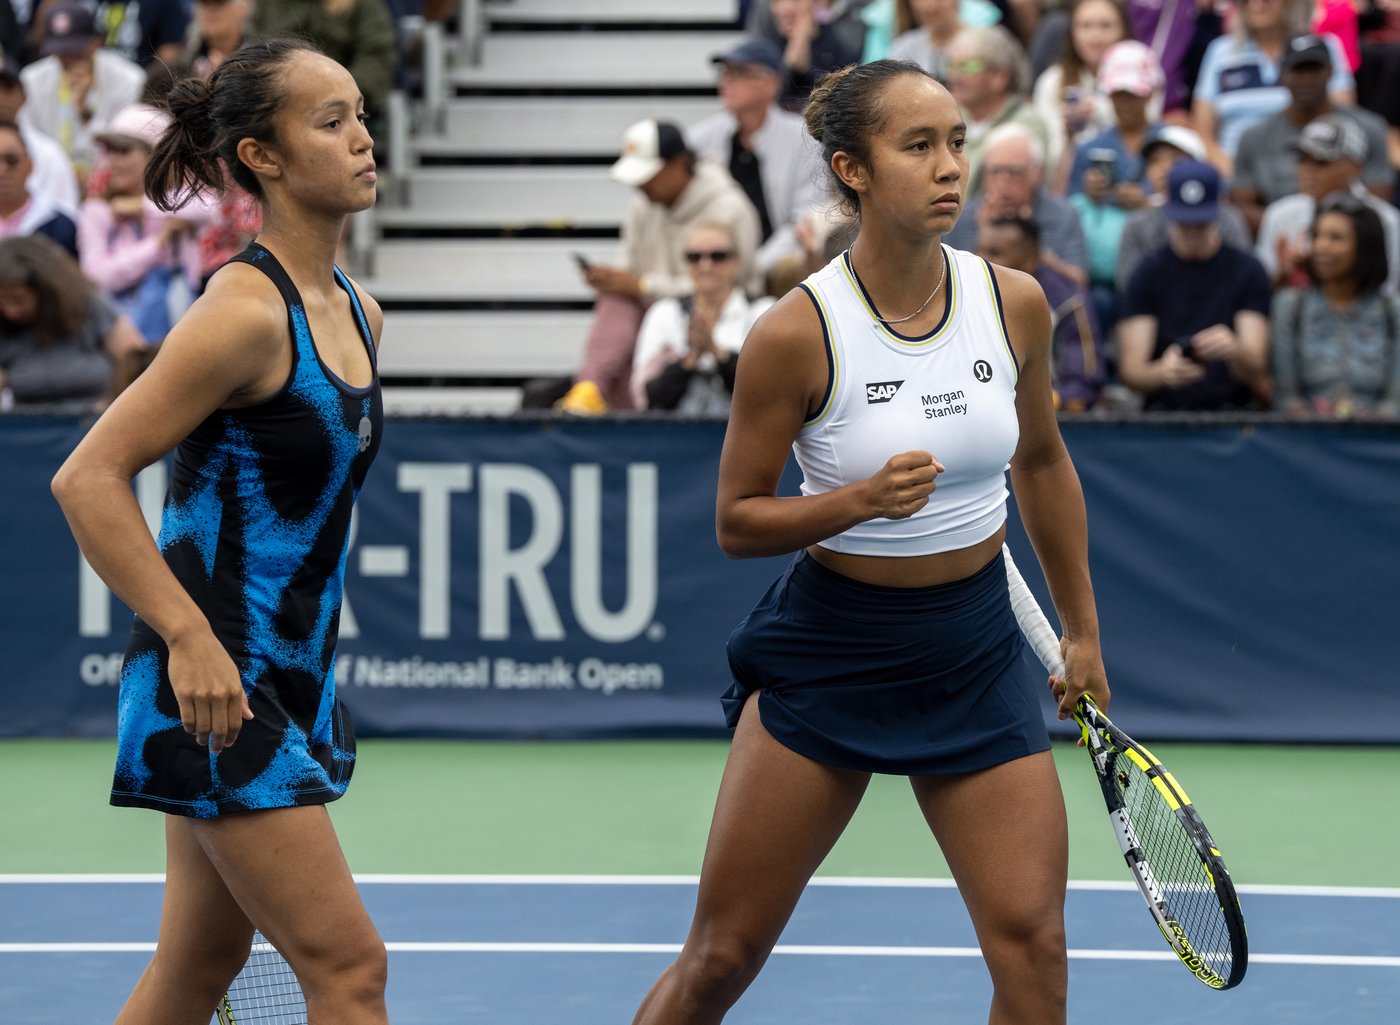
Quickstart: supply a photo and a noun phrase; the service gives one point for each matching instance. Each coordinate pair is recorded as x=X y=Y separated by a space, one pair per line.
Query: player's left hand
x=1084 y=674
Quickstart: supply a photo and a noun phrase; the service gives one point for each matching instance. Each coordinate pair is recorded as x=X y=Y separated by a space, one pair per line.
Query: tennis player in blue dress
x=907 y=377
x=228 y=719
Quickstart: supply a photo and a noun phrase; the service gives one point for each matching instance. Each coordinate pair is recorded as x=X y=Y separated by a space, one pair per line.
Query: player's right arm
x=781 y=381
x=230 y=349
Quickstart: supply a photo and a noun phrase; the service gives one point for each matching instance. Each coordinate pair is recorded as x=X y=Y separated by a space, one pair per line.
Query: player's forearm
x=1051 y=503
x=764 y=525
x=108 y=525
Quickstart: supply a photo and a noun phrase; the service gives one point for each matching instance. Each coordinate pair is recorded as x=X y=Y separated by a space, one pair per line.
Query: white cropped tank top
x=951 y=392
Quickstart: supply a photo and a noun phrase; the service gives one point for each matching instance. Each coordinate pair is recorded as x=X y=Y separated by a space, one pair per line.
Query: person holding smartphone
x=1131 y=78
x=1194 y=332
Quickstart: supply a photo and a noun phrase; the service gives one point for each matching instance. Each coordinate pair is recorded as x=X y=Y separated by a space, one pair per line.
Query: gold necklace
x=943 y=274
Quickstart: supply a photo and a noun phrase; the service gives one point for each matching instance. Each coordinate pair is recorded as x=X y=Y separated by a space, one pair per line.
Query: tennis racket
x=1173 y=859
x=265 y=991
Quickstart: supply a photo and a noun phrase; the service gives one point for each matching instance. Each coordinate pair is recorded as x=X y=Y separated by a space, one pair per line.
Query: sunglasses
x=713 y=255
x=968 y=67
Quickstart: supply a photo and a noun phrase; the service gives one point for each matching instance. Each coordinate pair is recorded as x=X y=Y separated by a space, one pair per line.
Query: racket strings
x=266 y=991
x=1174 y=865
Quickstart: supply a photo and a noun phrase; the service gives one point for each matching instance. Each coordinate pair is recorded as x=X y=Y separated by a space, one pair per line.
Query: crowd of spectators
x=92 y=274
x=1203 y=189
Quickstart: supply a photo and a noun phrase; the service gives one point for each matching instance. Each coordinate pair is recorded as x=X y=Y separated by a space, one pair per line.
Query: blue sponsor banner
x=525 y=577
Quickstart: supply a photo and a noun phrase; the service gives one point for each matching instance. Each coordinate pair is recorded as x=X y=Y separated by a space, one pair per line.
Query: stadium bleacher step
x=637 y=62
x=688 y=12
x=550 y=126
x=505 y=271
x=482 y=345
x=422 y=400
x=510 y=199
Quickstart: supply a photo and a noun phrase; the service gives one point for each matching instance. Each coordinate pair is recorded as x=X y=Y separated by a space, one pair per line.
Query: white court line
x=873 y=882
x=800 y=950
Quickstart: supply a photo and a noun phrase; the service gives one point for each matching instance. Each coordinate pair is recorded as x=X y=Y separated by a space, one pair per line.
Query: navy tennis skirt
x=908 y=681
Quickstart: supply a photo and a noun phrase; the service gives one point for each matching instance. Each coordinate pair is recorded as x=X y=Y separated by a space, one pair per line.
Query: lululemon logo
x=366 y=432
x=982 y=370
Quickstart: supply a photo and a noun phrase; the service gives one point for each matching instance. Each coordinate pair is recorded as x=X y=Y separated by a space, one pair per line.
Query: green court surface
x=1282 y=815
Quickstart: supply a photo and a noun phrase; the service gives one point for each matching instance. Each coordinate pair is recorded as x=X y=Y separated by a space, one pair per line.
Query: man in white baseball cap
x=676 y=192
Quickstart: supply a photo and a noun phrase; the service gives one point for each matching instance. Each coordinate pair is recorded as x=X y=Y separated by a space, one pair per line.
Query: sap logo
x=881 y=391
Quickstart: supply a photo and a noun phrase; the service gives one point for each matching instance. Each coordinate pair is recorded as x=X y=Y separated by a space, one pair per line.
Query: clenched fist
x=902 y=486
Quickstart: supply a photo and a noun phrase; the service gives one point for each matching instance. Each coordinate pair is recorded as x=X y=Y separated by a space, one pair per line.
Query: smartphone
x=1075 y=122
x=583 y=263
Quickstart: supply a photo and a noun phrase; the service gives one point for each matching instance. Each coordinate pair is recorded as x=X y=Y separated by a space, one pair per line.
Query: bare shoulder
x=785 y=353
x=229 y=349
x=234 y=338
x=240 y=303
x=1021 y=294
x=790 y=327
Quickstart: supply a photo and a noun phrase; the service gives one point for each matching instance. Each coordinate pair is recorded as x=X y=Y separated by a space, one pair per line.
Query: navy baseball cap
x=1193 y=193
x=68 y=29
x=753 y=50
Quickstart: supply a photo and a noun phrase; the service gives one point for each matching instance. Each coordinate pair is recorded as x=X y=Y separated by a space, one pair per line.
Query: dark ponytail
x=239 y=101
x=844 y=109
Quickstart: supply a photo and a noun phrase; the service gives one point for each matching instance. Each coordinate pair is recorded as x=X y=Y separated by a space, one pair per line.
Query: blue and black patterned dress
x=256 y=527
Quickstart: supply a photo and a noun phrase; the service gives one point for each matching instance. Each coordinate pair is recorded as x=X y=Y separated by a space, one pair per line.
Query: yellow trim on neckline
x=949 y=314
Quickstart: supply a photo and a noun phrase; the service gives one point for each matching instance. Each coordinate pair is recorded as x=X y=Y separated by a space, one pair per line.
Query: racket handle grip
x=1040 y=635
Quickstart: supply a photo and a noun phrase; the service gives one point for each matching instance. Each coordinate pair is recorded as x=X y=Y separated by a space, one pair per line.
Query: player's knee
x=354 y=968
x=723 y=967
x=365 y=969
x=1037 y=940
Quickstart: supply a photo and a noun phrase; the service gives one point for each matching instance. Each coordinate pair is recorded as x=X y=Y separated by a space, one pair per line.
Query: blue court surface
x=539 y=950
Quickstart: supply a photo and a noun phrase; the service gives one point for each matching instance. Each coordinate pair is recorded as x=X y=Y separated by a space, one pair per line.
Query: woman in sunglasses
x=1336 y=341
x=889 y=644
x=687 y=348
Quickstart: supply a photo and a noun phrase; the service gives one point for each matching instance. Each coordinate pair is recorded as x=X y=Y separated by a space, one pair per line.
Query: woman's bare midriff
x=914 y=570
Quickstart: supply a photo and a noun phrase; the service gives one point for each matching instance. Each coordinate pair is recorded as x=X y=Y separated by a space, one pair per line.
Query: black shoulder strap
x=257 y=255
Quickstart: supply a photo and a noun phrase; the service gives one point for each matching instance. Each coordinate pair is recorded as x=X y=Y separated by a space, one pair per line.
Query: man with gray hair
x=1013 y=162
x=988 y=76
x=767 y=151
